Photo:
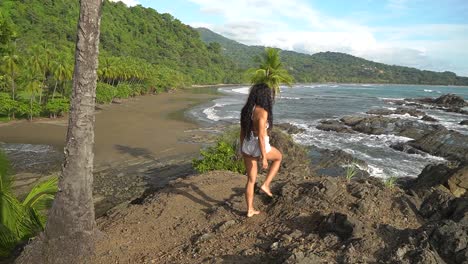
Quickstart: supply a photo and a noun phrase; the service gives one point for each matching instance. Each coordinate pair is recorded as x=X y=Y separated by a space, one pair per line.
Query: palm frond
x=41 y=195
x=5 y=176
x=8 y=241
x=12 y=214
x=270 y=71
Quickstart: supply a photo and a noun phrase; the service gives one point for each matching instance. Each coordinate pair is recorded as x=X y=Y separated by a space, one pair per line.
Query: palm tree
x=11 y=64
x=270 y=71
x=71 y=227
x=21 y=220
x=33 y=87
x=37 y=66
x=62 y=71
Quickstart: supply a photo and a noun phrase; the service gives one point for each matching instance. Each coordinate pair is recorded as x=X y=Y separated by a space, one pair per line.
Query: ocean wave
x=428 y=91
x=388 y=98
x=7 y=147
x=290 y=98
x=242 y=90
x=211 y=112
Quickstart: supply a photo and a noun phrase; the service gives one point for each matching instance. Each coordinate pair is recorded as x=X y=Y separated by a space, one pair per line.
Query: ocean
x=305 y=105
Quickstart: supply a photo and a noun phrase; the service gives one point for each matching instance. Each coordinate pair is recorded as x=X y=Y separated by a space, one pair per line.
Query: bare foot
x=266 y=190
x=252 y=213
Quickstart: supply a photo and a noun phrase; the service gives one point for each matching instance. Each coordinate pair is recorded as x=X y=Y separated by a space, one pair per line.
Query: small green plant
x=105 y=93
x=57 y=107
x=390 y=182
x=221 y=156
x=351 y=170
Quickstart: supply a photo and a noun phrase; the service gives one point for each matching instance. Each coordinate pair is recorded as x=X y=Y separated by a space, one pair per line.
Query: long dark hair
x=260 y=95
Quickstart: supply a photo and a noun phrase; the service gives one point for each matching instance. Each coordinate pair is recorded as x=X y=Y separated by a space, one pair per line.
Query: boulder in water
x=428 y=118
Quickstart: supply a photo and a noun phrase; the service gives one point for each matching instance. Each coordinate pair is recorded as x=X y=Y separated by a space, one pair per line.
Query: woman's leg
x=251 y=167
x=276 y=156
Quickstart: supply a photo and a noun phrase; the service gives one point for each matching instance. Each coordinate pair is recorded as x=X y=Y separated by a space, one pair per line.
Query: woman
x=256 y=121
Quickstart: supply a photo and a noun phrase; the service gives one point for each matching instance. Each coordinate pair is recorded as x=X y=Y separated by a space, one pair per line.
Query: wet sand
x=146 y=126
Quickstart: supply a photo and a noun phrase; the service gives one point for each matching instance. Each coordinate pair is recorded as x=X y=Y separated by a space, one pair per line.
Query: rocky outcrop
x=377 y=125
x=334 y=163
x=464 y=122
x=404 y=147
x=290 y=129
x=447 y=102
x=450 y=100
x=445 y=143
x=429 y=118
x=443 y=178
x=398 y=111
x=334 y=125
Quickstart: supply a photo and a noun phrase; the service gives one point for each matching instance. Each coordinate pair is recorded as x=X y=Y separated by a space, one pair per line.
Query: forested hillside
x=135 y=32
x=333 y=66
x=142 y=52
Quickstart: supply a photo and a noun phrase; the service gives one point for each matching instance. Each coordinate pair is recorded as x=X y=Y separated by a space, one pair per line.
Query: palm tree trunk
x=30 y=108
x=55 y=88
x=71 y=226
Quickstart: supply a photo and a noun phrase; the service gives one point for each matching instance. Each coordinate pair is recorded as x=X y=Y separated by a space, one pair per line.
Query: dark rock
x=429 y=118
x=402 y=146
x=290 y=129
x=378 y=125
x=446 y=143
x=331 y=162
x=334 y=125
x=451 y=241
x=351 y=120
x=340 y=224
x=450 y=100
x=380 y=111
x=453 y=181
x=409 y=111
x=453 y=110
x=431 y=176
x=464 y=122
x=438 y=205
x=226 y=225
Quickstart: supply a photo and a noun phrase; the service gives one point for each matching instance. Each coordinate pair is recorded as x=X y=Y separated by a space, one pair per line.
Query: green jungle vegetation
x=141 y=52
x=332 y=66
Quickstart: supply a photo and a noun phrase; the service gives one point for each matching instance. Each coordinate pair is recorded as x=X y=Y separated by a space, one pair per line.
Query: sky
x=429 y=35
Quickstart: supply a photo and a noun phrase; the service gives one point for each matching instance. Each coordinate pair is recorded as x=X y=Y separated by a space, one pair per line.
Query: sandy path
x=139 y=127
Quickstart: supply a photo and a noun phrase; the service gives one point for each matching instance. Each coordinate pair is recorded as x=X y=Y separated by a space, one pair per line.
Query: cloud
x=127 y=2
x=297 y=25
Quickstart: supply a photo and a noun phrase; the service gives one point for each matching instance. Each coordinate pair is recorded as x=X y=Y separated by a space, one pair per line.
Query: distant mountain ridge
x=332 y=66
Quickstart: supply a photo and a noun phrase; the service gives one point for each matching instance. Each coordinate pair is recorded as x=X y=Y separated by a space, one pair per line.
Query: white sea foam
x=242 y=90
x=391 y=108
x=211 y=112
x=289 y=98
x=388 y=98
x=26 y=148
x=428 y=91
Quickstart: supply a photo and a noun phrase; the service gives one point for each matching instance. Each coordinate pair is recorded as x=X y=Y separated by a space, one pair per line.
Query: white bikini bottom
x=252 y=148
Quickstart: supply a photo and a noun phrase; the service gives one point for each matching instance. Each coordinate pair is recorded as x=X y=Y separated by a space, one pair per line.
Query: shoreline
x=344 y=83
x=150 y=126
